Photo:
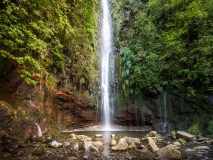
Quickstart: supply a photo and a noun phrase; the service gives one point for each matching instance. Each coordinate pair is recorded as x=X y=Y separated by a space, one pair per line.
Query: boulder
x=184 y=135
x=168 y=152
x=131 y=140
x=89 y=145
x=97 y=144
x=155 y=136
x=121 y=146
x=201 y=148
x=150 y=144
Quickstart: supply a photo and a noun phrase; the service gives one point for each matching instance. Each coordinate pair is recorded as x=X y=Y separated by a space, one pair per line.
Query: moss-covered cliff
x=49 y=61
x=165 y=47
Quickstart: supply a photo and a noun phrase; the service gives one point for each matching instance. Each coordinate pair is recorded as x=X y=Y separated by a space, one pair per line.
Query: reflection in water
x=106 y=141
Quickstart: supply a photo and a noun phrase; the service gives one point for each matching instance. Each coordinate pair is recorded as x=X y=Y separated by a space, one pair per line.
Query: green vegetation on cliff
x=166 y=45
x=163 y=44
x=51 y=39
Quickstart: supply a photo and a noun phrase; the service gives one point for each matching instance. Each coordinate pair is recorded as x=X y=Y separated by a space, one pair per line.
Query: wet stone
x=98 y=136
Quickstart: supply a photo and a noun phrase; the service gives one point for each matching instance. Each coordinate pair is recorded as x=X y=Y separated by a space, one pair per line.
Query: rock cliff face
x=22 y=104
x=165 y=112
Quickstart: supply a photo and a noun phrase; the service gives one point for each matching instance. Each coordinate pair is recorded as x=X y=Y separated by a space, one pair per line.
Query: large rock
x=169 y=152
x=184 y=135
x=131 y=140
x=150 y=144
x=97 y=144
x=89 y=145
x=121 y=146
x=155 y=136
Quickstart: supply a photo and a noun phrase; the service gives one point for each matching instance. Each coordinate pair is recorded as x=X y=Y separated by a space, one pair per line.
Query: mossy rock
x=39 y=151
x=38 y=139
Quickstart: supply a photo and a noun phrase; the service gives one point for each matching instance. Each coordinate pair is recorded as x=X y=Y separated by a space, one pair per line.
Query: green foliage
x=39 y=151
x=49 y=37
x=127 y=76
x=172 y=43
x=210 y=126
x=195 y=126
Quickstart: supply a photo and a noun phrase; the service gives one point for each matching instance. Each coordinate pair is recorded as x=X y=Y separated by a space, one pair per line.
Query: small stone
x=55 y=144
x=66 y=144
x=73 y=136
x=201 y=148
x=142 y=147
x=210 y=141
x=49 y=153
x=6 y=155
x=190 y=150
x=168 y=135
x=98 y=136
x=182 y=141
x=173 y=135
x=177 y=143
x=113 y=142
x=72 y=158
x=202 y=139
x=152 y=134
x=113 y=135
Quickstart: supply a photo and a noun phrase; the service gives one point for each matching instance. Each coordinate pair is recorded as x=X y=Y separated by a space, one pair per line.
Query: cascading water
x=39 y=130
x=106 y=49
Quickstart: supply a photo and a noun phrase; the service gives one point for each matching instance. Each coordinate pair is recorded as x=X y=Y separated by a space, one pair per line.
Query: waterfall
x=165 y=121
x=39 y=130
x=106 y=49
